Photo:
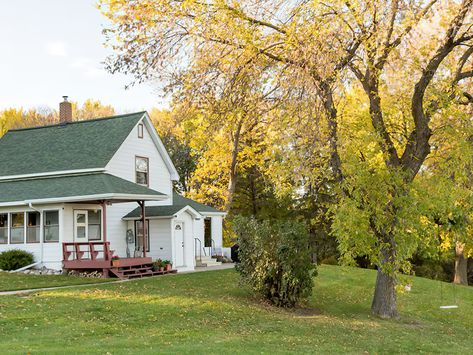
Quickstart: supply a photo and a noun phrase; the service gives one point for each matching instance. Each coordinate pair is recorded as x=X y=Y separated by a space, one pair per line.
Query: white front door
x=80 y=226
x=179 y=244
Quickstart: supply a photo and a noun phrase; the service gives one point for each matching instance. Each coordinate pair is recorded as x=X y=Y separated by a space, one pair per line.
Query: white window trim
x=140 y=171
x=11 y=226
x=58 y=225
x=41 y=226
x=38 y=226
x=86 y=239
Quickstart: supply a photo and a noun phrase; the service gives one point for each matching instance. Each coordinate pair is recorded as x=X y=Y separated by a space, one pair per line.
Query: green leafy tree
x=315 y=54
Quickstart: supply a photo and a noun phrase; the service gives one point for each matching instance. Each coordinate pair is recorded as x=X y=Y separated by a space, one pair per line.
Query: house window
x=88 y=225
x=207 y=232
x=94 y=225
x=51 y=226
x=141 y=167
x=140 y=130
x=3 y=228
x=32 y=227
x=17 y=229
x=139 y=235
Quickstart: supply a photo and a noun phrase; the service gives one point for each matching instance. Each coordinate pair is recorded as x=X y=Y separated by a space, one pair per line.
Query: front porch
x=98 y=256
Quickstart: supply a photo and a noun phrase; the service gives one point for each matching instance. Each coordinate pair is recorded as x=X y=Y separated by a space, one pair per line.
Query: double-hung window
x=51 y=226
x=17 y=229
x=32 y=227
x=142 y=170
x=94 y=225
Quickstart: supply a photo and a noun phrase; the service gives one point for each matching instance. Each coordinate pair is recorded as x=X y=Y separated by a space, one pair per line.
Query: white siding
x=216 y=231
x=122 y=163
x=160 y=239
x=199 y=233
x=116 y=227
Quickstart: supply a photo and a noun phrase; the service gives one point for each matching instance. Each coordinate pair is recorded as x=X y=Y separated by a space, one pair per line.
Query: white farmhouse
x=76 y=193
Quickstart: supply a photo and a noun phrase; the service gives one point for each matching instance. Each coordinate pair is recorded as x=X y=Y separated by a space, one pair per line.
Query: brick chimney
x=65 y=111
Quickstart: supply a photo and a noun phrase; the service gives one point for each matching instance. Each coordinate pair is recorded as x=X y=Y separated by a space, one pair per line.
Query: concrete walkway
x=209 y=268
x=199 y=269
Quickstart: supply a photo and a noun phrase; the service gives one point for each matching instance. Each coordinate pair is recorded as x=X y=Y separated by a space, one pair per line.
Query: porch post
x=143 y=220
x=104 y=220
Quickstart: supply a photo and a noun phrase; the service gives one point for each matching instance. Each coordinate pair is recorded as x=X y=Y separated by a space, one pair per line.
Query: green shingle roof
x=61 y=147
x=68 y=186
x=179 y=202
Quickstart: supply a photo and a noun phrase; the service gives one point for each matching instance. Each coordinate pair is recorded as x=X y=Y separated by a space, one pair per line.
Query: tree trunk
x=232 y=179
x=326 y=95
x=461 y=265
x=254 y=205
x=384 y=303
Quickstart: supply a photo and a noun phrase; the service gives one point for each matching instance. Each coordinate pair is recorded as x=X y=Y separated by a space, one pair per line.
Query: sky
x=51 y=48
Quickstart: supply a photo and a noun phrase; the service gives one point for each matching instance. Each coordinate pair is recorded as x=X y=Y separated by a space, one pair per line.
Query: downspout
x=41 y=241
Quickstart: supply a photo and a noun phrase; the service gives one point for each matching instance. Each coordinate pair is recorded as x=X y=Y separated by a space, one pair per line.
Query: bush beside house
x=15 y=259
x=275 y=259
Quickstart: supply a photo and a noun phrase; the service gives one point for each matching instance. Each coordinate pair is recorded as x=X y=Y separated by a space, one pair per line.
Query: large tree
x=302 y=50
x=393 y=34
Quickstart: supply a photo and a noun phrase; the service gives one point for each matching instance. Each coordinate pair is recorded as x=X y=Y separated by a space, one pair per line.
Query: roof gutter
x=83 y=198
x=51 y=173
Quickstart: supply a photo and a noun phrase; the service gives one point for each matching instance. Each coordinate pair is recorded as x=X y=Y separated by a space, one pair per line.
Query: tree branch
x=418 y=146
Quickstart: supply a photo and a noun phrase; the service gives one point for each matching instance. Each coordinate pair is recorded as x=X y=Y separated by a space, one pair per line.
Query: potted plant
x=158 y=265
x=167 y=265
x=115 y=261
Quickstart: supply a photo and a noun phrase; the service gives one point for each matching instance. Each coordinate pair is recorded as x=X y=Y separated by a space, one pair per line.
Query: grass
x=210 y=312
x=19 y=281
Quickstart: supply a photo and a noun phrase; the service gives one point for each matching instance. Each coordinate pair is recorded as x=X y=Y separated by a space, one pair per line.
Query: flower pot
x=168 y=267
x=161 y=268
x=115 y=263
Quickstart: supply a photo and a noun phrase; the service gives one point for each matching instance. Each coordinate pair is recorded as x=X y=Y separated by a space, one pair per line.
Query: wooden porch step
x=137 y=270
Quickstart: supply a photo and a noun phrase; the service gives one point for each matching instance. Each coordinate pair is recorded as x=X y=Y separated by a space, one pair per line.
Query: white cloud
x=56 y=49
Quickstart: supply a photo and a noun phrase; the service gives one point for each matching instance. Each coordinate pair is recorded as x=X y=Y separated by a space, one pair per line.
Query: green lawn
x=18 y=281
x=211 y=313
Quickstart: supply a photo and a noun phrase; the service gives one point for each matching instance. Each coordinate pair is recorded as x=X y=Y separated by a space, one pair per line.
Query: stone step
x=207 y=262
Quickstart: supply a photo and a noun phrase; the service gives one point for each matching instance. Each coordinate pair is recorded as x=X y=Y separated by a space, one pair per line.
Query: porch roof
x=179 y=202
x=73 y=188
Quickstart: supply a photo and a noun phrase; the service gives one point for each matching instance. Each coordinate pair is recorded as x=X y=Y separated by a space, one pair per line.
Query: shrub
x=275 y=259
x=15 y=259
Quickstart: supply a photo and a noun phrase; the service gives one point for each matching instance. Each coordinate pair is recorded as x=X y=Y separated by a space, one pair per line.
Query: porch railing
x=86 y=251
x=198 y=242
x=213 y=249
